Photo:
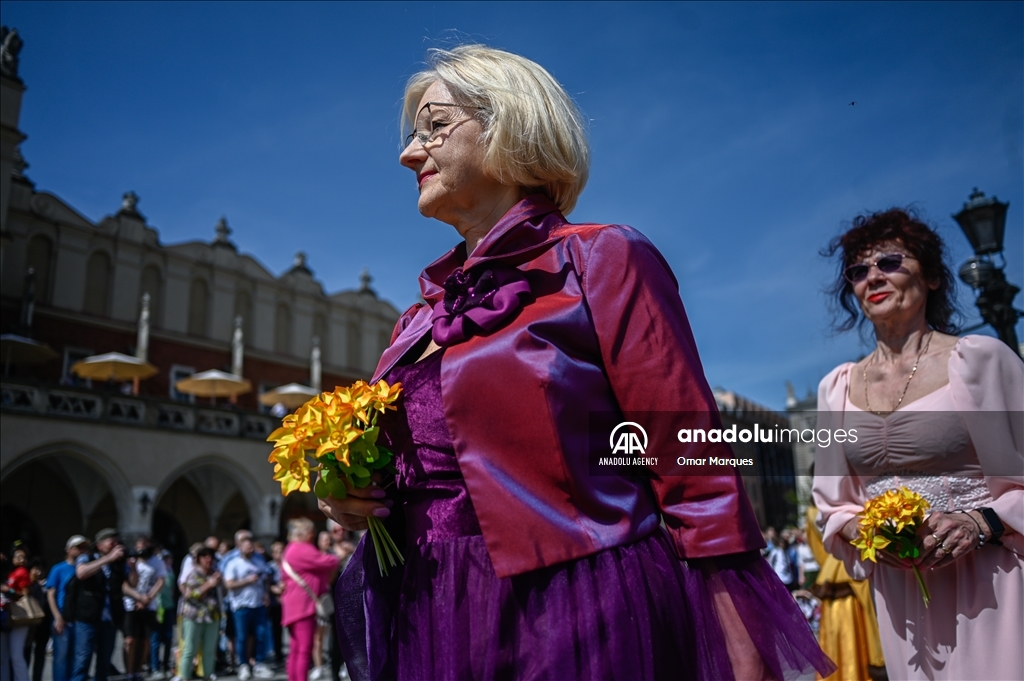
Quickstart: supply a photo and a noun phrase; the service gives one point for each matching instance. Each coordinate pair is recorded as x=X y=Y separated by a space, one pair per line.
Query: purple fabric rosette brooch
x=478 y=302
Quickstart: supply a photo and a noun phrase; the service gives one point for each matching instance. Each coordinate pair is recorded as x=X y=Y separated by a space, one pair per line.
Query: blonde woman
x=520 y=562
x=306 y=574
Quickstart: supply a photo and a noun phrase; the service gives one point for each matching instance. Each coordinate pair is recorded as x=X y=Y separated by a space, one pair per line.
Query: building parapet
x=136 y=412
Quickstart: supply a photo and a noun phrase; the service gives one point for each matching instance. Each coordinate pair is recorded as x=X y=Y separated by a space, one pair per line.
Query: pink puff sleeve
x=837 y=491
x=987 y=383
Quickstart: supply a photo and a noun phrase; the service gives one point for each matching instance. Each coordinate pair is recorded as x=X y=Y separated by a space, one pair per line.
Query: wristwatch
x=994 y=523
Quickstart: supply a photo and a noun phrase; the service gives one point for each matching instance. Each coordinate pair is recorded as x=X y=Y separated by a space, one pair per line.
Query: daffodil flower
x=339 y=428
x=889 y=522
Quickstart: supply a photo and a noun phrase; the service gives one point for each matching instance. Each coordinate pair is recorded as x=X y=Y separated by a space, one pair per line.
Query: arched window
x=320 y=331
x=354 y=336
x=283 y=329
x=152 y=284
x=243 y=309
x=198 y=304
x=97 y=283
x=40 y=259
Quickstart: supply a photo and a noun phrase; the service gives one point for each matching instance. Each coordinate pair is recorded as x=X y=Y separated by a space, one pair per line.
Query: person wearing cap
x=95 y=605
x=56 y=590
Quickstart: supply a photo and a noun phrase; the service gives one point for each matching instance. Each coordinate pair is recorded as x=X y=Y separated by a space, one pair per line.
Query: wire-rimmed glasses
x=426 y=137
x=887 y=263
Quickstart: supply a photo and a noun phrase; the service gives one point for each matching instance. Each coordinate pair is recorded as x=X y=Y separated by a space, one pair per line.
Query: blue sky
x=723 y=131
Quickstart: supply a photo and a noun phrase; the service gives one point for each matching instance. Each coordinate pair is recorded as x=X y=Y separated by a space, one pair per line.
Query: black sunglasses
x=888 y=263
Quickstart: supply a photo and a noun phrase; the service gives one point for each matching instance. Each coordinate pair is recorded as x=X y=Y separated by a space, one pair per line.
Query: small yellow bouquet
x=340 y=430
x=889 y=522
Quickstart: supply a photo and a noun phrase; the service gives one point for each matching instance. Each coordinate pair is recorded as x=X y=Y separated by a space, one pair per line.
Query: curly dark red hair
x=920 y=241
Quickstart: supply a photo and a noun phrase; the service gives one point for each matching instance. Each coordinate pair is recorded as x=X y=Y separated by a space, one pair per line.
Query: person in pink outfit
x=306 y=574
x=942 y=416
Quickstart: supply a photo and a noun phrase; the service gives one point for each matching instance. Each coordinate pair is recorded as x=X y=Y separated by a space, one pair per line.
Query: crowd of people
x=223 y=610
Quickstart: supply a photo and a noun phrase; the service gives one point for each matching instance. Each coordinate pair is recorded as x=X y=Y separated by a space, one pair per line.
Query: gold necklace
x=913 y=371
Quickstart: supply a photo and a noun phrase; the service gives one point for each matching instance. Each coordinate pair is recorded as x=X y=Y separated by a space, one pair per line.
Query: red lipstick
x=878 y=297
x=423 y=176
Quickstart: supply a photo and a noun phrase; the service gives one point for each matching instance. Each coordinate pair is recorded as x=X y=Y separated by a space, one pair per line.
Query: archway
x=51 y=497
x=17 y=525
x=206 y=497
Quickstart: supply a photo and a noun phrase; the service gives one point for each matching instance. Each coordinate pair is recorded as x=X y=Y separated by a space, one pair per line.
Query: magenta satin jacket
x=605 y=331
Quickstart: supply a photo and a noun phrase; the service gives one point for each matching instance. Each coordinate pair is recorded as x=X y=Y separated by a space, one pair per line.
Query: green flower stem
x=383 y=545
x=924 y=589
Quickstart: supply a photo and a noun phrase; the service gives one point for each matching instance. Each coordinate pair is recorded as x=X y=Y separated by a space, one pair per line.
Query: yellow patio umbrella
x=214 y=384
x=292 y=396
x=16 y=349
x=113 y=366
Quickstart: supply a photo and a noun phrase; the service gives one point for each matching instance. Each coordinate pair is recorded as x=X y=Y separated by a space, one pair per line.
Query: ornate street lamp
x=983 y=221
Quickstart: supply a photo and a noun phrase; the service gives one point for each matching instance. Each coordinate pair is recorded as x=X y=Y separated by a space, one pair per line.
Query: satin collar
x=527 y=226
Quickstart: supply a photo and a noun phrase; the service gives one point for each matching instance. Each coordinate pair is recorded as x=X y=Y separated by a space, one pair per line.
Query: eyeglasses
x=888 y=263
x=426 y=138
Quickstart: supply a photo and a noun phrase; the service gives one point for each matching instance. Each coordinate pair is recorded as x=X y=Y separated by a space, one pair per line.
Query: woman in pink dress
x=943 y=416
x=298 y=601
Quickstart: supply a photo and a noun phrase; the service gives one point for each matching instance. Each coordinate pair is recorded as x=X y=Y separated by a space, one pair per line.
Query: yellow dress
x=848 y=631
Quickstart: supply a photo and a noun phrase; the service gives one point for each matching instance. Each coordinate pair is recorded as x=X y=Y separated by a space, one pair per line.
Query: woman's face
x=450 y=167
x=895 y=296
x=323 y=541
x=205 y=563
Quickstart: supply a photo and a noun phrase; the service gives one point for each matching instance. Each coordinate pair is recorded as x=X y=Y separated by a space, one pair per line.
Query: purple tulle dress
x=630 y=612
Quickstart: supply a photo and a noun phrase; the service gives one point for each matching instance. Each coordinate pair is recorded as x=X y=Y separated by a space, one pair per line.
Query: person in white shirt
x=147 y=573
x=246 y=579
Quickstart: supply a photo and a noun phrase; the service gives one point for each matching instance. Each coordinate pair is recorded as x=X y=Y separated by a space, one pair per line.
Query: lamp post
x=983 y=221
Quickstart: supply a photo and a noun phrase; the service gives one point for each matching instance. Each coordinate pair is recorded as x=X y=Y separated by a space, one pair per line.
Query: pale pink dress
x=961 y=448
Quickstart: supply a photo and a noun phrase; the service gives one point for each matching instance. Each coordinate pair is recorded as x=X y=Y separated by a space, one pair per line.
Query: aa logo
x=628 y=438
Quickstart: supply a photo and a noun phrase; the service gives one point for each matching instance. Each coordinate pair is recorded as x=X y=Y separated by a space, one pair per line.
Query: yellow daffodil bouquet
x=889 y=522
x=339 y=429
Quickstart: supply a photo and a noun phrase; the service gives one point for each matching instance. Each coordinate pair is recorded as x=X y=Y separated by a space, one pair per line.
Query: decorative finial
x=222 y=229
x=299 y=262
x=129 y=203
x=223 y=232
x=10 y=46
x=364 y=281
x=978 y=198
x=790 y=396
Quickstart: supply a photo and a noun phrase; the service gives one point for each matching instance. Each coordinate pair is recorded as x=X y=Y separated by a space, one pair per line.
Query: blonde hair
x=300 y=528
x=535 y=134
